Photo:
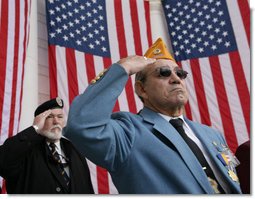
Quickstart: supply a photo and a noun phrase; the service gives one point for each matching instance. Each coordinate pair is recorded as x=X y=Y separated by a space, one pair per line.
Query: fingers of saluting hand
x=39 y=120
x=45 y=114
x=135 y=63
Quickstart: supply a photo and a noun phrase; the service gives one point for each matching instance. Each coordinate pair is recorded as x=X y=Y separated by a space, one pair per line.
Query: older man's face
x=165 y=87
x=54 y=124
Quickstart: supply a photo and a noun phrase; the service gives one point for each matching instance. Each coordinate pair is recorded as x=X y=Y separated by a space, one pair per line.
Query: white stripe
x=192 y=94
x=62 y=79
x=241 y=39
x=81 y=71
x=114 y=46
x=93 y=175
x=210 y=94
x=142 y=25
x=129 y=32
x=233 y=99
x=112 y=32
x=99 y=64
x=20 y=67
x=9 y=72
x=112 y=188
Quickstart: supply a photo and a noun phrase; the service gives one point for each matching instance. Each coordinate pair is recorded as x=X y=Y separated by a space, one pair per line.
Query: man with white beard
x=39 y=160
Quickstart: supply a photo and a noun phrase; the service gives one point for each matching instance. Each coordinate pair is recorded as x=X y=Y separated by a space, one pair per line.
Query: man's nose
x=174 y=78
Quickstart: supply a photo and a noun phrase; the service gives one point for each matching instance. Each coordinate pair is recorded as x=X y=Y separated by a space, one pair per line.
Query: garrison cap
x=158 y=50
x=50 y=104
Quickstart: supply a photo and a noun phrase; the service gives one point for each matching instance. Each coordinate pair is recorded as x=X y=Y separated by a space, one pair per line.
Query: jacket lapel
x=169 y=132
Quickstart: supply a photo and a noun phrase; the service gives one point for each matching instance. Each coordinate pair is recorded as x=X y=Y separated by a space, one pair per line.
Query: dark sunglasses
x=166 y=72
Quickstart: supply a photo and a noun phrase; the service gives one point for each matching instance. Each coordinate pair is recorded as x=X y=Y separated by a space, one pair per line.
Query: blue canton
x=199 y=28
x=78 y=24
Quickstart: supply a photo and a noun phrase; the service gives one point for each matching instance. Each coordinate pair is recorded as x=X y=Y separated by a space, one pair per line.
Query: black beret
x=51 y=104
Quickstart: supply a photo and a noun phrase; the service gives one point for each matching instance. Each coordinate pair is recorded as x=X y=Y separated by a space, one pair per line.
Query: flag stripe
x=123 y=52
x=3 y=51
x=242 y=87
x=71 y=74
x=191 y=87
x=199 y=89
x=81 y=71
x=223 y=104
x=136 y=27
x=15 y=68
x=244 y=7
x=90 y=67
x=234 y=99
x=53 y=71
x=148 y=25
x=102 y=180
x=241 y=39
x=210 y=96
x=14 y=33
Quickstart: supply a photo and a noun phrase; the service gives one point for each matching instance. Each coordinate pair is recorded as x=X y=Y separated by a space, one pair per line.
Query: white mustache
x=56 y=126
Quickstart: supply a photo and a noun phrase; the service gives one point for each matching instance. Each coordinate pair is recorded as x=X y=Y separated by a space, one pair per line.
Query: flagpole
x=30 y=85
x=158 y=22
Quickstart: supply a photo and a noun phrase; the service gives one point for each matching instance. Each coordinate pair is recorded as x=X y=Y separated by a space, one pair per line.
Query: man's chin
x=53 y=135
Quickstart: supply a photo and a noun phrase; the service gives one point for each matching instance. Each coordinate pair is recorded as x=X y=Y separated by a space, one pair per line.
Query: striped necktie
x=60 y=165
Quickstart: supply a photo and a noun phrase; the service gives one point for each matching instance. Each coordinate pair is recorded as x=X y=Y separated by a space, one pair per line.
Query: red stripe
x=123 y=53
x=222 y=99
x=53 y=71
x=188 y=111
x=3 y=52
x=90 y=67
x=4 y=187
x=102 y=181
x=200 y=92
x=245 y=13
x=15 y=68
x=71 y=74
x=120 y=28
x=136 y=27
x=242 y=88
x=148 y=21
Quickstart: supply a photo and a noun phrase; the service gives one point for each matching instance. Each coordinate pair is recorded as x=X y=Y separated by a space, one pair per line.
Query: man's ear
x=139 y=89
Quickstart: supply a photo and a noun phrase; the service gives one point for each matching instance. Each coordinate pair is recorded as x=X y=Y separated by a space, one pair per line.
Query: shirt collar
x=168 y=118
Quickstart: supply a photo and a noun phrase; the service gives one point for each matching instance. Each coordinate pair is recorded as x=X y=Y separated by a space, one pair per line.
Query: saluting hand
x=39 y=120
x=135 y=63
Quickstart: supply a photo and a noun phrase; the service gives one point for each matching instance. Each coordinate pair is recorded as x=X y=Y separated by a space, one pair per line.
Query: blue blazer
x=142 y=152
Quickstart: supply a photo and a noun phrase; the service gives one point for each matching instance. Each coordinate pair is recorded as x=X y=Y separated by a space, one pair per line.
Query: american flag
x=86 y=36
x=14 y=25
x=211 y=40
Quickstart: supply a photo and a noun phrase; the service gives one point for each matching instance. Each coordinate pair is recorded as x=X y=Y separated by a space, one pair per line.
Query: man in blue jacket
x=143 y=152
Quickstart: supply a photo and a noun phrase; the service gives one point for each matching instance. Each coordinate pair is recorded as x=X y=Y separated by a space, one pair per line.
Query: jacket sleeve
x=15 y=149
x=103 y=140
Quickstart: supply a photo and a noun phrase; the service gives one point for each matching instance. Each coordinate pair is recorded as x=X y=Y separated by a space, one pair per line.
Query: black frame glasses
x=165 y=71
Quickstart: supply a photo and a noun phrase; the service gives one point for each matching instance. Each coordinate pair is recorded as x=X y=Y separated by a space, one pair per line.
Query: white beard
x=54 y=135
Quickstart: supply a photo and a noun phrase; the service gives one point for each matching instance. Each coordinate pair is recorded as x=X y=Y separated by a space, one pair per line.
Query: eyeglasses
x=165 y=71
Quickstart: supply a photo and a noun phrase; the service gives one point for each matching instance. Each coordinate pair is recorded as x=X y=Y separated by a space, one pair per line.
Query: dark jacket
x=243 y=170
x=27 y=167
